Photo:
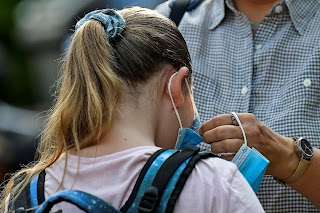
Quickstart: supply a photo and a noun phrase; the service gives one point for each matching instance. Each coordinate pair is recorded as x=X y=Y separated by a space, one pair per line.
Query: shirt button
x=278 y=9
x=258 y=46
x=307 y=82
x=244 y=90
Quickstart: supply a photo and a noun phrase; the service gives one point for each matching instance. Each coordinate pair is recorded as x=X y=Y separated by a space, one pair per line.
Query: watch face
x=306 y=147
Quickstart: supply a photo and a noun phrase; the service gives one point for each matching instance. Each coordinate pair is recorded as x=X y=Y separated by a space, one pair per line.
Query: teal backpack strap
x=34 y=192
x=168 y=182
x=146 y=178
x=84 y=201
x=169 y=175
x=159 y=180
x=183 y=178
x=37 y=189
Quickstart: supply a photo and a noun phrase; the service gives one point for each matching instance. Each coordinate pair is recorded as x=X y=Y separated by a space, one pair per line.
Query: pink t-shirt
x=215 y=185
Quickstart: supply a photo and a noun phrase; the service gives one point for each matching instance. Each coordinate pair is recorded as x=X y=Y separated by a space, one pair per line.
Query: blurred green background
x=15 y=78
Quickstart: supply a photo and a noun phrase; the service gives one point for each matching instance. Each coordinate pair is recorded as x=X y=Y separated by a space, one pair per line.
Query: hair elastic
x=112 y=21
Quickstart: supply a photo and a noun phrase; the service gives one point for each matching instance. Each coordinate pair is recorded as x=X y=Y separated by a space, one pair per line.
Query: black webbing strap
x=153 y=194
x=179 y=7
x=139 y=180
x=170 y=166
x=183 y=178
x=40 y=186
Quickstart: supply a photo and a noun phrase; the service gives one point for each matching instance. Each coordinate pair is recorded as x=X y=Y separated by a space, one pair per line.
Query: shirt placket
x=244 y=63
x=261 y=58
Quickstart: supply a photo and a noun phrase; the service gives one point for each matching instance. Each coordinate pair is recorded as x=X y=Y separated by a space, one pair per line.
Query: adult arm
x=225 y=137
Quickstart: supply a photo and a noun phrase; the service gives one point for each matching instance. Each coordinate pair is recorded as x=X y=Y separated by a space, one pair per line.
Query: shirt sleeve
x=216 y=185
x=242 y=197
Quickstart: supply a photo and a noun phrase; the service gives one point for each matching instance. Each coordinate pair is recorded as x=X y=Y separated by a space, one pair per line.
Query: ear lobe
x=176 y=86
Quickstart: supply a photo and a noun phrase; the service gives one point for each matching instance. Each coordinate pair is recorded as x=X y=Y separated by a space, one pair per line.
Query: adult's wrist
x=304 y=151
x=289 y=162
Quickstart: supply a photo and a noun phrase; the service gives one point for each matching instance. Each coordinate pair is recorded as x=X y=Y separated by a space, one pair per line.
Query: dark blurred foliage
x=16 y=147
x=15 y=80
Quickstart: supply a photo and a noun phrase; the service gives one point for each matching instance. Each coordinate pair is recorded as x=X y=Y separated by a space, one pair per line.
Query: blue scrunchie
x=111 y=20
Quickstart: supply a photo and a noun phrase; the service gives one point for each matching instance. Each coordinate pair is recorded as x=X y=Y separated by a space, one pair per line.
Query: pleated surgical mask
x=250 y=162
x=186 y=136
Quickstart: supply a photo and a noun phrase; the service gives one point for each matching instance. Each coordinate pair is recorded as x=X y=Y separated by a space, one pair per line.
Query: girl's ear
x=176 y=86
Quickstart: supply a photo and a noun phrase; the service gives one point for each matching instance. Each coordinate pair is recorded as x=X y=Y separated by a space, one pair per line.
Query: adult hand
x=225 y=137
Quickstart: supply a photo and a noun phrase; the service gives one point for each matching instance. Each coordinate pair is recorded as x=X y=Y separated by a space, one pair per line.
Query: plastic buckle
x=20 y=210
x=148 y=200
x=193 y=148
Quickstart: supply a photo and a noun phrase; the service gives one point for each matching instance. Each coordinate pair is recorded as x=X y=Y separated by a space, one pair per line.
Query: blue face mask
x=187 y=136
x=250 y=162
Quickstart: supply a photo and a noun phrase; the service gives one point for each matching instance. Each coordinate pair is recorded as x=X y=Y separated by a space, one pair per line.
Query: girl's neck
x=132 y=127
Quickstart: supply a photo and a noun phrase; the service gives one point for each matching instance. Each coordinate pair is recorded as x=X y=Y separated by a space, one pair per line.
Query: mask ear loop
x=174 y=106
x=192 y=98
x=240 y=125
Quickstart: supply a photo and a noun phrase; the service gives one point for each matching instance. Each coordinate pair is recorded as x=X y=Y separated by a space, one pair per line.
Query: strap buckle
x=148 y=200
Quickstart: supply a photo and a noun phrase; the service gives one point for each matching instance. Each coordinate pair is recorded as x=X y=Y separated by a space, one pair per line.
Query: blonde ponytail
x=90 y=90
x=88 y=97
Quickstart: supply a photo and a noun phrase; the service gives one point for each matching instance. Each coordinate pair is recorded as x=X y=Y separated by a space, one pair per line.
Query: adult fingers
x=226 y=146
x=227 y=157
x=220 y=120
x=222 y=133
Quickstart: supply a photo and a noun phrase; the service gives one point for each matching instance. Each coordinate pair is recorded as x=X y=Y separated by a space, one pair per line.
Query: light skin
x=148 y=119
x=225 y=137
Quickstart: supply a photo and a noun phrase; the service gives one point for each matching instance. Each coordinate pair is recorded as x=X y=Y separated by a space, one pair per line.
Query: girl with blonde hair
x=124 y=75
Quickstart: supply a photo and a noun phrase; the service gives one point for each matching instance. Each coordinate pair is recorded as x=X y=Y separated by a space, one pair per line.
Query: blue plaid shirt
x=274 y=74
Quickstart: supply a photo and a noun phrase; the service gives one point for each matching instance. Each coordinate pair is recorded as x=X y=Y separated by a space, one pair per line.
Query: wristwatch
x=304 y=151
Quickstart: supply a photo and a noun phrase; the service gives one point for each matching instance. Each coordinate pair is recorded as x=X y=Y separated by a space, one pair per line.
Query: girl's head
x=99 y=67
x=98 y=70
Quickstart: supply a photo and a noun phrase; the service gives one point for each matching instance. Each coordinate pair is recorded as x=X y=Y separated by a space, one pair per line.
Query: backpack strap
x=32 y=195
x=179 y=7
x=37 y=189
x=84 y=201
x=156 y=193
x=169 y=174
x=145 y=178
x=23 y=200
x=183 y=178
x=40 y=187
x=162 y=194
